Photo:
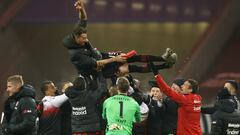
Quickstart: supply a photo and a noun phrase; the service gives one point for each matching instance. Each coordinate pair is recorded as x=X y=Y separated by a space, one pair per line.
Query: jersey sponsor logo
x=196 y=101
x=197 y=106
x=233 y=125
x=232 y=132
x=79 y=110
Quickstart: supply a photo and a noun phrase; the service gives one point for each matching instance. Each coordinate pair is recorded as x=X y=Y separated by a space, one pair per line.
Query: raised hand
x=78 y=5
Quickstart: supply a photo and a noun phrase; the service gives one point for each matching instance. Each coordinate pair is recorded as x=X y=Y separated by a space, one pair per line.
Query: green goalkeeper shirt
x=120 y=111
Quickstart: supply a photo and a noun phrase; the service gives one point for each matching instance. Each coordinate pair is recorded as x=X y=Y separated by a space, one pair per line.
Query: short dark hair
x=79 y=83
x=79 y=30
x=194 y=85
x=152 y=84
x=233 y=83
x=44 y=86
x=179 y=82
x=123 y=84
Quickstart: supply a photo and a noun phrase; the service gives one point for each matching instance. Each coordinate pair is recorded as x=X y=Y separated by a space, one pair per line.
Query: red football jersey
x=189 y=109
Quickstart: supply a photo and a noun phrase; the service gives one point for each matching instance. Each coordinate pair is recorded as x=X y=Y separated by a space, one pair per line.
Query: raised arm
x=81 y=9
x=59 y=100
x=79 y=6
x=177 y=97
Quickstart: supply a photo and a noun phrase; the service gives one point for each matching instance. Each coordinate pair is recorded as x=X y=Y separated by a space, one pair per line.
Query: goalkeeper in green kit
x=121 y=111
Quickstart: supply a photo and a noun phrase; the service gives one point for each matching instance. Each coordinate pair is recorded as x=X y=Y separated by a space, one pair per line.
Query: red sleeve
x=177 y=97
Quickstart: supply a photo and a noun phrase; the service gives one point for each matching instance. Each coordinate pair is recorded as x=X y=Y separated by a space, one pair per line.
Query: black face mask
x=223 y=94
